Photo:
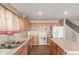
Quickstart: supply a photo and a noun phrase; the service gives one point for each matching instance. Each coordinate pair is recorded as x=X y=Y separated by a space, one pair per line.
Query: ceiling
x=50 y=11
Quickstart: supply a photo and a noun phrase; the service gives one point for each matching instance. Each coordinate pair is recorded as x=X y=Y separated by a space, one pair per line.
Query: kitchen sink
x=8 y=45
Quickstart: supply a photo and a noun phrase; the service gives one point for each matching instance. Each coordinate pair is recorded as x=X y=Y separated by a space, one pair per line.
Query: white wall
x=70 y=34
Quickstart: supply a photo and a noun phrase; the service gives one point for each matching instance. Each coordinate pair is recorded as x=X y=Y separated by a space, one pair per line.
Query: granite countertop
x=13 y=50
x=69 y=46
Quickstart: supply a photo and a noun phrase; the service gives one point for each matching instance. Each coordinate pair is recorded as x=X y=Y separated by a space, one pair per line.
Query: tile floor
x=40 y=50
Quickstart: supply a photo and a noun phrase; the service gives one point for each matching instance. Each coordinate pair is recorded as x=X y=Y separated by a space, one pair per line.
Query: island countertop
x=69 y=46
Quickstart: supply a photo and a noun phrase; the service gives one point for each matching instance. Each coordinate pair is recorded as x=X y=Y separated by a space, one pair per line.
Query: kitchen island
x=68 y=47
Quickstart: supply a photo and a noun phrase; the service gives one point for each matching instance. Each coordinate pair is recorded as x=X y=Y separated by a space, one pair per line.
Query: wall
x=70 y=34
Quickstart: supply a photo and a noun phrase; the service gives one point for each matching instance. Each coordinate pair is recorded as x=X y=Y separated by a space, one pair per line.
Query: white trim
x=64 y=28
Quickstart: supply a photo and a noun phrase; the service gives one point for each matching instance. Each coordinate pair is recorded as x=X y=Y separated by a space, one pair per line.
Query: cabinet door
x=19 y=52
x=54 y=48
x=2 y=19
x=25 y=50
x=16 y=23
x=60 y=51
x=48 y=40
x=30 y=42
x=9 y=18
x=54 y=52
x=35 y=39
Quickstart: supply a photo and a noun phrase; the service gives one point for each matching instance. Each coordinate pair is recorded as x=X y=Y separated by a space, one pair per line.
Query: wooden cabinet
x=61 y=22
x=2 y=19
x=56 y=50
x=35 y=40
x=53 y=48
x=23 y=50
x=25 y=24
x=29 y=45
x=48 y=40
x=16 y=23
x=60 y=51
x=9 y=21
x=49 y=44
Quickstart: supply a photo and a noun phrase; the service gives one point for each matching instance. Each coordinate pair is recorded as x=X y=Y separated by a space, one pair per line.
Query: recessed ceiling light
x=65 y=12
x=39 y=13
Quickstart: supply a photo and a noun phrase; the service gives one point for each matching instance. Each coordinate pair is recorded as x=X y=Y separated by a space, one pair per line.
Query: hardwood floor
x=40 y=50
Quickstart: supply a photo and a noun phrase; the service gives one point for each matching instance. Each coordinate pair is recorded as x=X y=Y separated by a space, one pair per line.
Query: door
x=42 y=40
x=42 y=36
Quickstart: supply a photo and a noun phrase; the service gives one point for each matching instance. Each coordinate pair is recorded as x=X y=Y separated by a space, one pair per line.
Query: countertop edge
x=66 y=51
x=19 y=47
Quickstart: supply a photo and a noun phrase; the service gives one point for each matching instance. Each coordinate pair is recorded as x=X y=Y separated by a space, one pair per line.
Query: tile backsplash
x=3 y=38
x=21 y=36
x=15 y=37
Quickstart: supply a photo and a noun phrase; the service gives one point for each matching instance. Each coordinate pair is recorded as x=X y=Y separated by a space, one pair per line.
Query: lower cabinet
x=56 y=50
x=49 y=44
x=23 y=50
x=60 y=51
x=48 y=40
x=35 y=39
x=53 y=48
x=30 y=45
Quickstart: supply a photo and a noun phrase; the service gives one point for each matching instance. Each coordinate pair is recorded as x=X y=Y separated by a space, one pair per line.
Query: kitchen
x=25 y=32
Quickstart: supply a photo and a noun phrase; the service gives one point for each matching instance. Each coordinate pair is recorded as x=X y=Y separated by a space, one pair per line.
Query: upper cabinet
x=2 y=19
x=9 y=21
x=16 y=23
x=21 y=24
